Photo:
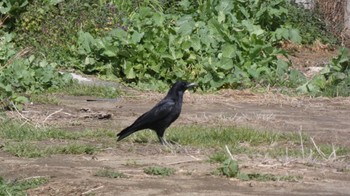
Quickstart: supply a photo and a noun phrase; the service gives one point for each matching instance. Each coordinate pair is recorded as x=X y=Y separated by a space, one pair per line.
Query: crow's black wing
x=156 y=114
x=151 y=118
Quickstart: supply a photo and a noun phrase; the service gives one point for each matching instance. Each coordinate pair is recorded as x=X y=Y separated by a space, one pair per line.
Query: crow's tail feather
x=125 y=133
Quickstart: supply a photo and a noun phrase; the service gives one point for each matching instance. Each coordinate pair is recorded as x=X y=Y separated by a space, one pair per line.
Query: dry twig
x=53 y=113
x=301 y=141
x=91 y=190
x=318 y=149
x=228 y=151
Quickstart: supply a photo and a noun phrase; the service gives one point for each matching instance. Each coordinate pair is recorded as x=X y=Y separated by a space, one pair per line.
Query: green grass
x=45 y=98
x=108 y=173
x=29 y=141
x=13 y=130
x=32 y=150
x=159 y=171
x=268 y=177
x=218 y=157
x=241 y=140
x=19 y=187
x=76 y=89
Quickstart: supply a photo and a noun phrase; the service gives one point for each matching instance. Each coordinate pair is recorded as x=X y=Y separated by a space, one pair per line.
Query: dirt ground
x=325 y=119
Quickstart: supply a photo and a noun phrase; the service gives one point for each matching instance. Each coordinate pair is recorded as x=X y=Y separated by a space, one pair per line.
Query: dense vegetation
x=149 y=44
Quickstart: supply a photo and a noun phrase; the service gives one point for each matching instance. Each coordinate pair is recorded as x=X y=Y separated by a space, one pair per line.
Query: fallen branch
x=91 y=190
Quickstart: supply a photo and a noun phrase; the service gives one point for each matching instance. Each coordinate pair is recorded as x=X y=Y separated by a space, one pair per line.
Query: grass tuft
x=109 y=174
x=159 y=171
x=19 y=187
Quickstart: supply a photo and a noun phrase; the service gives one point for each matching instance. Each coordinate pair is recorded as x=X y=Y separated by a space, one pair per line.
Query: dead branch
x=91 y=190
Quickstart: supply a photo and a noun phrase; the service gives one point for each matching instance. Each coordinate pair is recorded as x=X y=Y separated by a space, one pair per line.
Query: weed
x=218 y=157
x=73 y=149
x=229 y=168
x=132 y=163
x=15 y=131
x=25 y=149
x=333 y=80
x=109 y=174
x=159 y=171
x=18 y=187
x=270 y=177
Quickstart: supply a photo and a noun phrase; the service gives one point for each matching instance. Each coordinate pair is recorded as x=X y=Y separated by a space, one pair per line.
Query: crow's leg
x=163 y=141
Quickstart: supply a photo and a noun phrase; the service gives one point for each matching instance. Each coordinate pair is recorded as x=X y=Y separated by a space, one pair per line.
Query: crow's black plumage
x=161 y=115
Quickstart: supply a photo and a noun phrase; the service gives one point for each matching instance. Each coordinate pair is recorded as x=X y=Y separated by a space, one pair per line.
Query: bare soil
x=327 y=120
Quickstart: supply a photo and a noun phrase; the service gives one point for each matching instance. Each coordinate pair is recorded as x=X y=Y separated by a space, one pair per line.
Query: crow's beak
x=190 y=85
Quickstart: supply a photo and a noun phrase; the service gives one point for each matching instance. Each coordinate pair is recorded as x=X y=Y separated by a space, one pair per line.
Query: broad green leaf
x=186 y=28
x=130 y=74
x=89 y=61
x=226 y=63
x=228 y=51
x=225 y=6
x=185 y=4
x=196 y=43
x=85 y=41
x=118 y=33
x=186 y=45
x=109 y=53
x=136 y=37
x=221 y=17
x=158 y=19
x=282 y=67
x=295 y=36
x=21 y=99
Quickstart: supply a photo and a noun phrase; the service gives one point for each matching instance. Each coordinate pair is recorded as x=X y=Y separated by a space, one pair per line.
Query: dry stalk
x=333 y=154
x=180 y=162
x=318 y=149
x=53 y=113
x=229 y=153
x=33 y=177
x=19 y=113
x=301 y=141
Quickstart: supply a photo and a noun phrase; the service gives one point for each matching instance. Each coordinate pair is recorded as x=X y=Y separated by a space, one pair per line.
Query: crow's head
x=183 y=86
x=180 y=87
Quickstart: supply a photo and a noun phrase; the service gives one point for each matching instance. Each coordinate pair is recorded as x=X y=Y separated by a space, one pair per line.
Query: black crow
x=161 y=115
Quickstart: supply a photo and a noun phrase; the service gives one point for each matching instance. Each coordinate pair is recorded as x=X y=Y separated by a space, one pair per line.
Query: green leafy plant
x=310 y=24
x=333 y=80
x=21 y=75
x=229 y=168
x=218 y=43
x=159 y=171
x=228 y=49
